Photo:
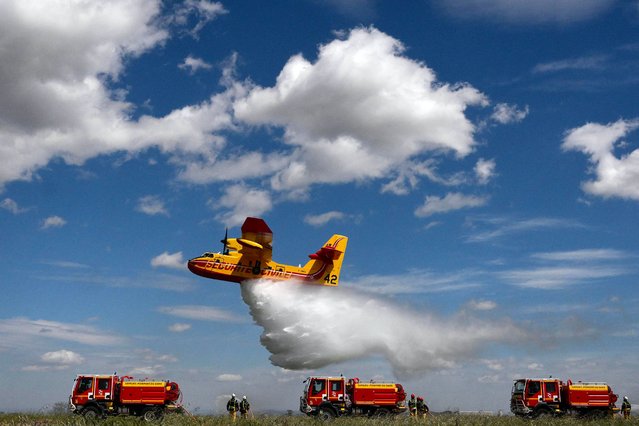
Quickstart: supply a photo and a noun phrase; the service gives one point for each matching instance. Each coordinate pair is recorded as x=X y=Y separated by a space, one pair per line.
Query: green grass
x=436 y=420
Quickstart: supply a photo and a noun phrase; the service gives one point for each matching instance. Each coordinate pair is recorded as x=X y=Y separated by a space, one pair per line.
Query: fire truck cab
x=536 y=397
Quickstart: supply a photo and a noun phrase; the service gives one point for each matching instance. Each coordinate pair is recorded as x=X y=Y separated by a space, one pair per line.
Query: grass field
x=436 y=420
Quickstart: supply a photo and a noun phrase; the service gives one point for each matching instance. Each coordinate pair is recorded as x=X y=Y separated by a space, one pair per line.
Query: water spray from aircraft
x=308 y=327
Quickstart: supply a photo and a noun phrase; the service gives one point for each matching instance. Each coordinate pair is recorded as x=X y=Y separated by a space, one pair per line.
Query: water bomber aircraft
x=249 y=258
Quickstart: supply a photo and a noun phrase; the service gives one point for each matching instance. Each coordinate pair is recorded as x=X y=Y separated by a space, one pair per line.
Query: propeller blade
x=225 y=241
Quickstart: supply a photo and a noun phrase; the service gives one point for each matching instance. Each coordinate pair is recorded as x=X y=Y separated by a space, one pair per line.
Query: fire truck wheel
x=91 y=413
x=152 y=414
x=326 y=413
x=382 y=412
x=543 y=412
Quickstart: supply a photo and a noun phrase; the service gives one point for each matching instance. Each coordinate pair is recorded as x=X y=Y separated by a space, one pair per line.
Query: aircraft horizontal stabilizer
x=326 y=254
x=250 y=243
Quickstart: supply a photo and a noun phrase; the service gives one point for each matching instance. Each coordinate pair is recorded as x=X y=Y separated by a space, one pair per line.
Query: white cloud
x=505 y=114
x=179 y=327
x=200 y=313
x=11 y=205
x=62 y=357
x=151 y=205
x=323 y=218
x=583 y=255
x=229 y=378
x=558 y=270
x=346 y=123
x=58 y=57
x=582 y=63
x=148 y=370
x=169 y=260
x=408 y=175
x=451 y=202
x=53 y=222
x=18 y=329
x=526 y=12
x=482 y=305
x=417 y=281
x=614 y=176
x=484 y=170
x=501 y=227
x=203 y=11
x=193 y=65
x=241 y=201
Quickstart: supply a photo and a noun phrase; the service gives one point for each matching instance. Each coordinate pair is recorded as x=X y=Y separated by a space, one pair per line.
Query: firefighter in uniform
x=422 y=408
x=232 y=407
x=244 y=408
x=626 y=407
x=412 y=405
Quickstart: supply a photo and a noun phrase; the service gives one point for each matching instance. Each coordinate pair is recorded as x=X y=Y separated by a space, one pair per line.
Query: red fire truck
x=552 y=397
x=328 y=397
x=95 y=395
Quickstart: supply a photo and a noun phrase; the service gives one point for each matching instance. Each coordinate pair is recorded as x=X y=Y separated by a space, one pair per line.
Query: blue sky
x=482 y=158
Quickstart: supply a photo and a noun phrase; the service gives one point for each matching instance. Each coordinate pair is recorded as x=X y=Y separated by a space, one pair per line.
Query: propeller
x=225 y=242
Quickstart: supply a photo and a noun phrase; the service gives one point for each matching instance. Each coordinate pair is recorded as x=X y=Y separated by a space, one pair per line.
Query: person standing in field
x=626 y=407
x=232 y=406
x=244 y=408
x=422 y=408
x=412 y=405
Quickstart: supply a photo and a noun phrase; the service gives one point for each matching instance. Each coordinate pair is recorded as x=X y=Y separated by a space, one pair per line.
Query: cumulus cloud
x=63 y=357
x=614 y=176
x=151 y=205
x=358 y=326
x=57 y=59
x=346 y=123
x=505 y=114
x=53 y=222
x=451 y=202
x=484 y=170
x=526 y=12
x=169 y=260
x=341 y=122
x=239 y=202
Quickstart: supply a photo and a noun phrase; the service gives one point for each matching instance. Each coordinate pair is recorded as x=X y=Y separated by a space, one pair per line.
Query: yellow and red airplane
x=249 y=257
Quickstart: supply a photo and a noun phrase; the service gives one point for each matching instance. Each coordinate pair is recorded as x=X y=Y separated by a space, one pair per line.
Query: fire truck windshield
x=519 y=386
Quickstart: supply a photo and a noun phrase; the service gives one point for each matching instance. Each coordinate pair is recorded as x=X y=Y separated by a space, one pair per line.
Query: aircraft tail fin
x=328 y=261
